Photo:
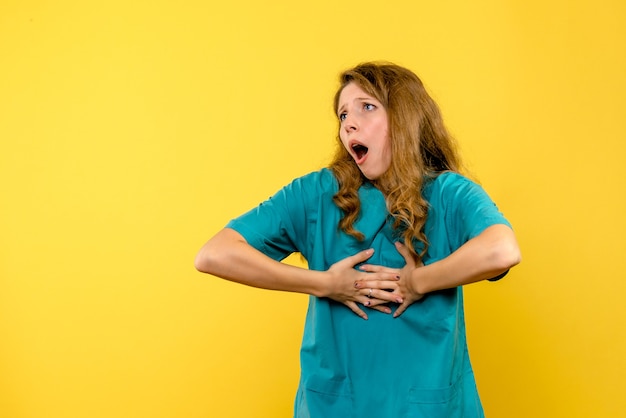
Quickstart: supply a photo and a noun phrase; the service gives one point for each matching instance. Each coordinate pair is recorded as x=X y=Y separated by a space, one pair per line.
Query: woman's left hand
x=405 y=288
x=406 y=284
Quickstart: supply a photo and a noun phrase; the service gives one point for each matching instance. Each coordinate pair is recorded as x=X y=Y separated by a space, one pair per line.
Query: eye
x=369 y=106
x=342 y=116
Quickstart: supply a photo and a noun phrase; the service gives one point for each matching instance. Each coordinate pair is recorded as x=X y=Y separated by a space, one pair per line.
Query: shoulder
x=456 y=192
x=315 y=182
x=305 y=192
x=457 y=196
x=448 y=184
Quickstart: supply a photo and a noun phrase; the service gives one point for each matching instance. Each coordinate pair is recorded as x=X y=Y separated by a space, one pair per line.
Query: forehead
x=351 y=92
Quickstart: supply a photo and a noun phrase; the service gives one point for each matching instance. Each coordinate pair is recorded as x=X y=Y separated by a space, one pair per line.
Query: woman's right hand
x=229 y=256
x=352 y=287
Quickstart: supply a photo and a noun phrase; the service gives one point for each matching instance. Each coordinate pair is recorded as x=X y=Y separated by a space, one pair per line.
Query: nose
x=350 y=123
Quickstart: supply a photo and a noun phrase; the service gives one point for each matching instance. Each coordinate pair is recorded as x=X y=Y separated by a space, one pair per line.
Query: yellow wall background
x=131 y=131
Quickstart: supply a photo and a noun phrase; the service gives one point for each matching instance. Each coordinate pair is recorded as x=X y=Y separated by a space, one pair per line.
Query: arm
x=485 y=245
x=490 y=254
x=229 y=256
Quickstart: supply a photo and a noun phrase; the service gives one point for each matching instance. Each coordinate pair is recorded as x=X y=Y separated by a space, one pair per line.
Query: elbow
x=504 y=252
x=200 y=263
x=204 y=261
x=507 y=255
x=216 y=256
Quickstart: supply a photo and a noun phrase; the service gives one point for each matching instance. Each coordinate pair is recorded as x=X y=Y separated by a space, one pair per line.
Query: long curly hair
x=421 y=149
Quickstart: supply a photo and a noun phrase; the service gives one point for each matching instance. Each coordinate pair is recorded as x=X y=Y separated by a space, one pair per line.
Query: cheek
x=387 y=154
x=384 y=138
x=387 y=148
x=382 y=127
x=344 y=141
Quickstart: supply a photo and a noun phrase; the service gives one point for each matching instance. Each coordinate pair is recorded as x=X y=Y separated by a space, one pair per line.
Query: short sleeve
x=466 y=208
x=278 y=226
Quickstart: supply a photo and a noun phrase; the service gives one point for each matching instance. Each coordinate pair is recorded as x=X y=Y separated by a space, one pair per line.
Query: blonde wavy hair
x=421 y=149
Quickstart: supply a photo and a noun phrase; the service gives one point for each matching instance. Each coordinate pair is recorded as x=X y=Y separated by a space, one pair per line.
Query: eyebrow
x=362 y=99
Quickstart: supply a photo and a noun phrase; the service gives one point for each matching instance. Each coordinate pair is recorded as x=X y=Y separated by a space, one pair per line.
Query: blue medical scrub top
x=416 y=365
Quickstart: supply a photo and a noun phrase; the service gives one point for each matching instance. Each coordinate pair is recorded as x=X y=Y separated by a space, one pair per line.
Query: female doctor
x=391 y=232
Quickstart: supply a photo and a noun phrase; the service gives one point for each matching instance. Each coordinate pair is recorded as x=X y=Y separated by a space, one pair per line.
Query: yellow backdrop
x=131 y=131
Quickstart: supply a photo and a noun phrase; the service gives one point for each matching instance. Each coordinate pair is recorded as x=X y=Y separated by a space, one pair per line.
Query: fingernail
x=356 y=284
x=399 y=300
x=398 y=277
x=368 y=303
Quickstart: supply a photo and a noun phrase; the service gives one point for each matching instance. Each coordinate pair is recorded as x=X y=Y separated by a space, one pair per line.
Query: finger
x=382 y=278
x=404 y=252
x=355 y=308
x=373 y=268
x=359 y=257
x=382 y=308
x=374 y=303
x=374 y=296
x=377 y=304
x=390 y=284
x=390 y=293
x=401 y=309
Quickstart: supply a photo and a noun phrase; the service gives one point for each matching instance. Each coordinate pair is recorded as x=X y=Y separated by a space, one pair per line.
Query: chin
x=374 y=175
x=371 y=177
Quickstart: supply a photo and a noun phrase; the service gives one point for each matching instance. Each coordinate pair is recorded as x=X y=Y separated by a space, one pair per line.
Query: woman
x=391 y=232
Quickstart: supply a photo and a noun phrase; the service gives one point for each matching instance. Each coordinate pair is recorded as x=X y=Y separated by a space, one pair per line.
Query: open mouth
x=359 y=151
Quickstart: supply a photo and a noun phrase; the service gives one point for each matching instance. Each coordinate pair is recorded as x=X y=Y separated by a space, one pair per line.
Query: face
x=364 y=130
